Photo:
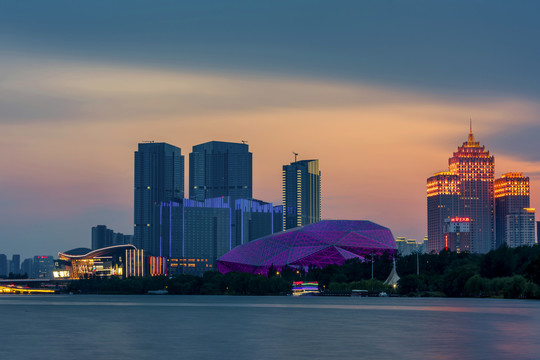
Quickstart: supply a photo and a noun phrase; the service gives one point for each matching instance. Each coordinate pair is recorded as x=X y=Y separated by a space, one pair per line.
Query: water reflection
x=205 y=327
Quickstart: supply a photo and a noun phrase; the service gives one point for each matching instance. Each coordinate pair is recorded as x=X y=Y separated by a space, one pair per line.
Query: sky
x=381 y=92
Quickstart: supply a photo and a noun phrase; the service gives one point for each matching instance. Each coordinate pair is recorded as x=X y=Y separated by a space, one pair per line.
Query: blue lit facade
x=206 y=230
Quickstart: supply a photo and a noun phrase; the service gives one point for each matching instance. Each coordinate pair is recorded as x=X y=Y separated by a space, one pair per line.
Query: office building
x=219 y=168
x=194 y=234
x=520 y=228
x=443 y=202
x=457 y=235
x=407 y=247
x=3 y=265
x=43 y=267
x=27 y=267
x=471 y=168
x=301 y=193
x=514 y=218
x=159 y=177
x=537 y=232
x=15 y=264
x=103 y=237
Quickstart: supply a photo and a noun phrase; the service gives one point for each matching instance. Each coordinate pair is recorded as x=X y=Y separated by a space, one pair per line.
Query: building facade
x=193 y=234
x=443 y=202
x=219 y=168
x=514 y=219
x=159 y=176
x=471 y=169
x=457 y=235
x=43 y=267
x=520 y=228
x=103 y=237
x=301 y=193
x=3 y=265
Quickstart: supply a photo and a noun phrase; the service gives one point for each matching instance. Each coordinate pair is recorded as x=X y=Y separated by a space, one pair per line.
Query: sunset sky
x=380 y=91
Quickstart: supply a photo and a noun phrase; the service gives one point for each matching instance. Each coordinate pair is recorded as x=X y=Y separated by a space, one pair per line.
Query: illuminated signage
x=460 y=219
x=61 y=274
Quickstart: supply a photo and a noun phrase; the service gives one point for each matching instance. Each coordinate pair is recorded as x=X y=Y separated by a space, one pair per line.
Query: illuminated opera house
x=82 y=263
x=315 y=245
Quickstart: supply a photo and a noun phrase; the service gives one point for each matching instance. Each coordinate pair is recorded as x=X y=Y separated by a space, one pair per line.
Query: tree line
x=505 y=272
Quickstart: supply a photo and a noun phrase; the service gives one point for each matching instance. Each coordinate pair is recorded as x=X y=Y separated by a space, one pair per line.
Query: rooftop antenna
x=244 y=142
x=470 y=125
x=295 y=155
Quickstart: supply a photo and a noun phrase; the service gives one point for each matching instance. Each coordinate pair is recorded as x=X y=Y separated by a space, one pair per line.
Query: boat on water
x=301 y=288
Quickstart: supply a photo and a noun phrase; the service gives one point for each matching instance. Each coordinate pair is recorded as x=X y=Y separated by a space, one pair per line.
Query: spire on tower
x=470 y=139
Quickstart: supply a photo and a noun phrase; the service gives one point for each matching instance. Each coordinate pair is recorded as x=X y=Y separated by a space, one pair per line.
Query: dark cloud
x=520 y=141
x=456 y=47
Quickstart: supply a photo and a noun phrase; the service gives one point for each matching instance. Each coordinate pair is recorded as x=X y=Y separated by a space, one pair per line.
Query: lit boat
x=301 y=288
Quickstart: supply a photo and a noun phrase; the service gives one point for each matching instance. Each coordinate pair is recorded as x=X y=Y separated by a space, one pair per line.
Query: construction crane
x=244 y=142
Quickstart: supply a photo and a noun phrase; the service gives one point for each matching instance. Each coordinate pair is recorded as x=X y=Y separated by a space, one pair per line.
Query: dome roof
x=320 y=244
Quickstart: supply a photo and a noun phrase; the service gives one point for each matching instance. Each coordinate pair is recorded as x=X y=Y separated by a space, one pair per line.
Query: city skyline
x=379 y=102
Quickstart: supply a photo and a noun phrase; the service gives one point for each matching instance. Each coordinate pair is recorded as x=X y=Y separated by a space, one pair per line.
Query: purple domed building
x=316 y=245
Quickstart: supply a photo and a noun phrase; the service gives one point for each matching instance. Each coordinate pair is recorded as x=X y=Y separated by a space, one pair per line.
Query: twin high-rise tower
x=220 y=192
x=220 y=169
x=464 y=198
x=159 y=176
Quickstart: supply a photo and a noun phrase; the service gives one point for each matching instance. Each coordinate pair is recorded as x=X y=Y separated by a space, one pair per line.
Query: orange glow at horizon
x=376 y=146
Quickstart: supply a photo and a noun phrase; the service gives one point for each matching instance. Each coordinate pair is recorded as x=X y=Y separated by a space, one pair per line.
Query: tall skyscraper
x=220 y=169
x=159 y=176
x=512 y=197
x=443 y=202
x=301 y=193
x=474 y=168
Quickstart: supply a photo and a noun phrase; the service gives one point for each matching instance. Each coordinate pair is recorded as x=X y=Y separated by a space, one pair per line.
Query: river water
x=227 y=327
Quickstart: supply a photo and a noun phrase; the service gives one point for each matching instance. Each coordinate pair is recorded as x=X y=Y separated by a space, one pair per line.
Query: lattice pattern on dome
x=318 y=245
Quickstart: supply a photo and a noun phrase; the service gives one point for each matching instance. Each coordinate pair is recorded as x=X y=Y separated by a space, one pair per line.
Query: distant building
x=3 y=265
x=15 y=264
x=27 y=267
x=159 y=176
x=538 y=232
x=43 y=267
x=103 y=237
x=514 y=218
x=218 y=169
x=471 y=170
x=457 y=235
x=520 y=228
x=407 y=247
x=301 y=193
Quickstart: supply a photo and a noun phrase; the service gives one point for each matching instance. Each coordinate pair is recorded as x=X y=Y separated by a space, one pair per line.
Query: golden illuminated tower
x=475 y=169
x=470 y=182
x=514 y=219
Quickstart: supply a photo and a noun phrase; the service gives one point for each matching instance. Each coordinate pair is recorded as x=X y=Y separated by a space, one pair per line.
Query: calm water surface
x=226 y=327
